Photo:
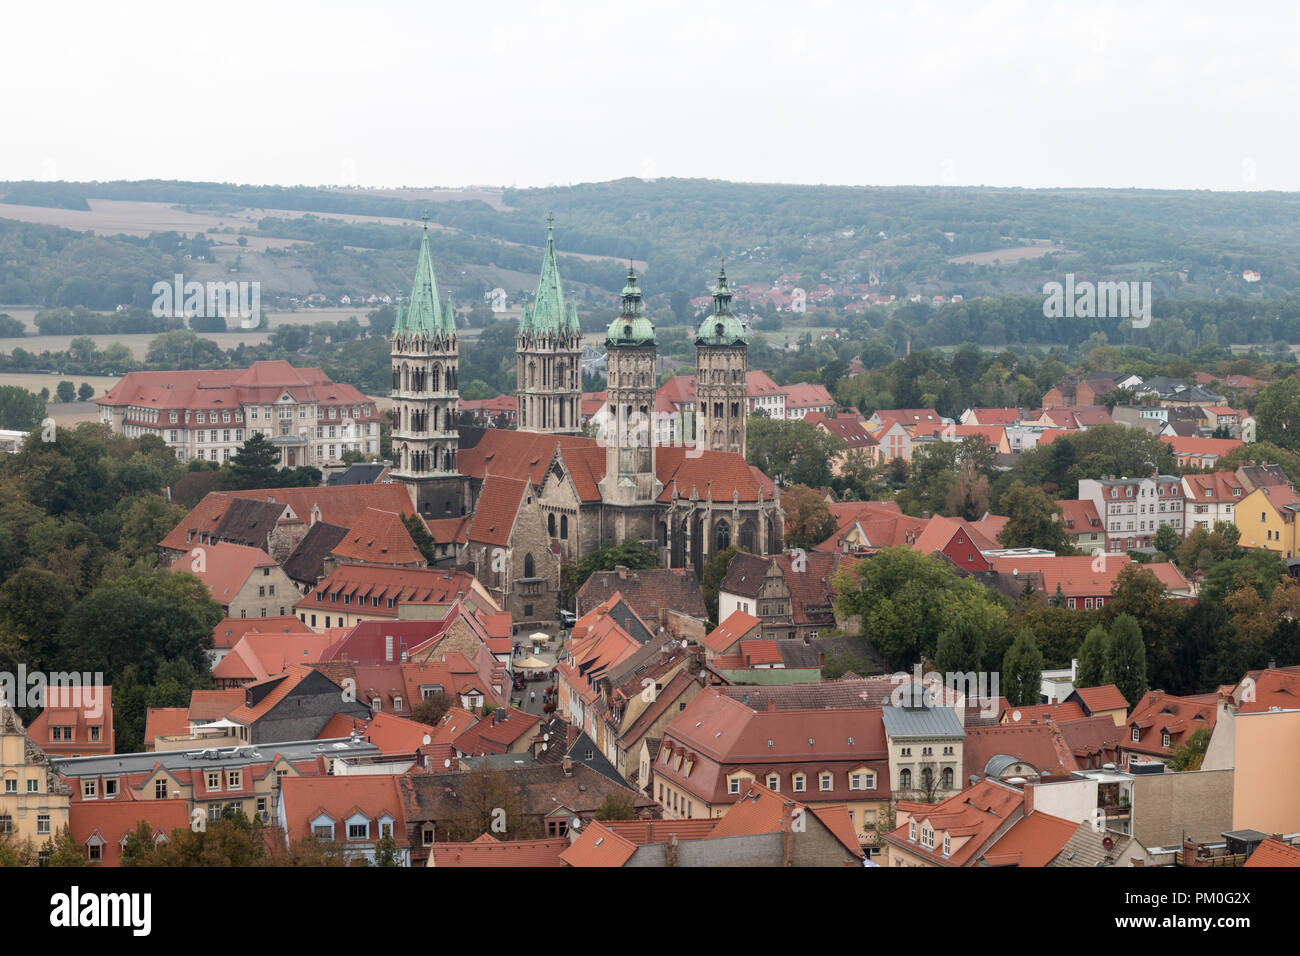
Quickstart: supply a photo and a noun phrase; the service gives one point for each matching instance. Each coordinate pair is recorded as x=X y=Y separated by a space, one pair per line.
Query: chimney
x=1029 y=798
x=771 y=706
x=567 y=764
x=672 y=848
x=621 y=571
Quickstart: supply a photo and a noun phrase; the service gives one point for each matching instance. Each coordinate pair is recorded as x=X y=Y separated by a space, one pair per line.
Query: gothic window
x=550 y=525
x=747 y=537
x=905 y=779
x=947 y=778
x=564 y=527
x=529 y=567
x=927 y=778
x=437 y=372
x=722 y=534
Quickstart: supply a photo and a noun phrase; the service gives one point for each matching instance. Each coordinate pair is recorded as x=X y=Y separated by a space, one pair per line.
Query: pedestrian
x=532 y=695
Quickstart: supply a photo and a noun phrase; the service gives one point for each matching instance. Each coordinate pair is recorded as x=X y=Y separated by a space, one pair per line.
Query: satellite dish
x=428 y=739
x=1107 y=842
x=686 y=643
x=447 y=762
x=1015 y=715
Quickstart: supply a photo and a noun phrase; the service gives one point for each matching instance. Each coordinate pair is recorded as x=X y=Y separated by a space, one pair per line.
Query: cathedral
x=550 y=493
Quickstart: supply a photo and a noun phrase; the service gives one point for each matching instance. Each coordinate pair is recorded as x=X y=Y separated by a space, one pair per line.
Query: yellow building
x=1266 y=519
x=33 y=800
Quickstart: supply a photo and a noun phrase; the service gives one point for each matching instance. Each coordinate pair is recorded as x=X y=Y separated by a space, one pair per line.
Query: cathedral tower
x=549 y=353
x=721 y=361
x=426 y=396
x=630 y=427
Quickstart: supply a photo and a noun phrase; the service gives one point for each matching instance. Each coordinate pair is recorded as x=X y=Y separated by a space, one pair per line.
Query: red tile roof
x=109 y=822
x=165 y=722
x=1033 y=841
x=1105 y=697
x=497 y=509
x=82 y=709
x=737 y=625
x=379 y=537
x=342 y=505
x=1272 y=852
x=760 y=810
x=259 y=656
x=1158 y=712
x=304 y=799
x=371 y=583
x=229 y=631
x=1189 y=445
x=598 y=845
x=1058 y=712
x=223 y=568
x=489 y=851
x=976 y=813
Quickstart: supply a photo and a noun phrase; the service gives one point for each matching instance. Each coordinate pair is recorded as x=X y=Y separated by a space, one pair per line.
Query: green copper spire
x=722 y=327
x=548 y=313
x=424 y=313
x=630 y=328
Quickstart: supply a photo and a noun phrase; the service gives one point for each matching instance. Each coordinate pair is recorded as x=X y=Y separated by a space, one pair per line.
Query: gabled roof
x=737 y=625
x=258 y=656
x=378 y=537
x=648 y=593
x=340 y=505
x=976 y=813
x=1158 y=713
x=497 y=510
x=1272 y=852
x=223 y=568
x=1095 y=699
x=1042 y=746
x=306 y=564
x=760 y=810
x=1034 y=840
x=304 y=799
x=598 y=845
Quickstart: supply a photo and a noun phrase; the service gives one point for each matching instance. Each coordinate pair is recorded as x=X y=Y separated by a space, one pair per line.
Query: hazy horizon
x=1005 y=94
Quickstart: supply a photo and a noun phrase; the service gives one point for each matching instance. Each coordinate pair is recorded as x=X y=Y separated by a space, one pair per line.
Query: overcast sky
x=1150 y=94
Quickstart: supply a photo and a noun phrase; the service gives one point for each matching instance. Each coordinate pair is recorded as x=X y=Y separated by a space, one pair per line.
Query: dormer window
x=1136 y=733
x=1164 y=738
x=911 y=830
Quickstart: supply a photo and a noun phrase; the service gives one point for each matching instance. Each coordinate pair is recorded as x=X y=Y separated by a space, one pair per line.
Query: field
x=1004 y=256
x=35 y=381
x=108 y=217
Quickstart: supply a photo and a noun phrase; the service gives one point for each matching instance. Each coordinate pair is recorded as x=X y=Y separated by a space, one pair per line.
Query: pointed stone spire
x=549 y=314
x=424 y=312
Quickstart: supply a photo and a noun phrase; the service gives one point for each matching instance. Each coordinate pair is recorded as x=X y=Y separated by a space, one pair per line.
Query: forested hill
x=902 y=241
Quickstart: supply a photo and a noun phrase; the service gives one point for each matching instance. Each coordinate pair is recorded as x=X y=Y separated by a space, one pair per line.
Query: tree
x=1140 y=594
x=20 y=410
x=140 y=848
x=1022 y=670
x=792 y=452
x=487 y=802
x=1166 y=540
x=1189 y=754
x=65 y=392
x=960 y=648
x=386 y=852
x=905 y=600
x=617 y=806
x=431 y=709
x=64 y=850
x=421 y=538
x=1094 y=656
x=1126 y=658
x=255 y=465
x=632 y=555
x=1278 y=414
x=1034 y=520
x=144 y=618
x=85 y=392
x=808 y=519
x=711 y=578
